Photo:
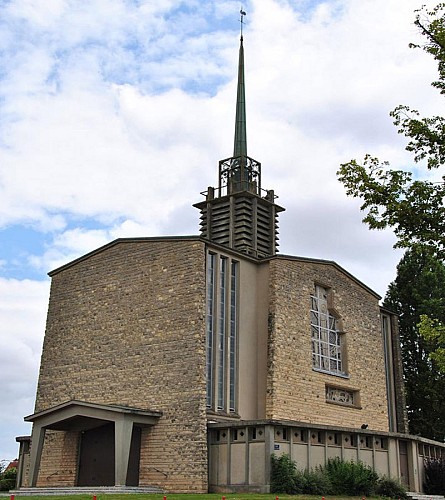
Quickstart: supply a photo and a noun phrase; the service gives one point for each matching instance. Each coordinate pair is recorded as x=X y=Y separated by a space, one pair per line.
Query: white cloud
x=22 y=322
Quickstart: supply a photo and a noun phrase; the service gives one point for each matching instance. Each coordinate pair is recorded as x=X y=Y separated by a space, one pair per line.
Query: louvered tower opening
x=244 y=220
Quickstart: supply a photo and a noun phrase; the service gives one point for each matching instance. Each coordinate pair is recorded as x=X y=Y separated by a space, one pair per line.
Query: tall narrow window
x=233 y=335
x=389 y=370
x=222 y=333
x=222 y=326
x=209 y=325
x=326 y=340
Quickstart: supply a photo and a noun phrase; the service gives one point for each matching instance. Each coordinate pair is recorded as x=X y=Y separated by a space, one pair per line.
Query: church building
x=182 y=363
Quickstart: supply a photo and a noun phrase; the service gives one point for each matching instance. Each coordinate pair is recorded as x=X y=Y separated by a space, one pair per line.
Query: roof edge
x=328 y=263
x=122 y=240
x=222 y=247
x=99 y=406
x=309 y=425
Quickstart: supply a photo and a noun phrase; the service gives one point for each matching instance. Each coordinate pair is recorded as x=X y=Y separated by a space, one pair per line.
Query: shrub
x=316 y=482
x=350 y=478
x=284 y=476
x=7 y=484
x=391 y=488
x=434 y=476
x=7 y=479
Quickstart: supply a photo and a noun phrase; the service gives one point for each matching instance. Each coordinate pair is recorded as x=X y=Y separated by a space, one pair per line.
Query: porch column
x=37 y=439
x=123 y=429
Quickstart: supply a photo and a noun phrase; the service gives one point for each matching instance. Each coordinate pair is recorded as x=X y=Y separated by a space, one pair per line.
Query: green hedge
x=390 y=488
x=7 y=484
x=284 y=476
x=351 y=478
x=337 y=477
x=7 y=479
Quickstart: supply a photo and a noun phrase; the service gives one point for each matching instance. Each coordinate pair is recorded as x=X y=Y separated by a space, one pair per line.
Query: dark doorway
x=96 y=463
x=404 y=470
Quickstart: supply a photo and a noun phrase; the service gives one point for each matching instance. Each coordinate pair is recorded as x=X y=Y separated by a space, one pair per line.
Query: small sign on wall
x=276 y=447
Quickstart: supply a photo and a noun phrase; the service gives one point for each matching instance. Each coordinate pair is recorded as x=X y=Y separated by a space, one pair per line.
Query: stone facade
x=295 y=390
x=126 y=327
x=59 y=459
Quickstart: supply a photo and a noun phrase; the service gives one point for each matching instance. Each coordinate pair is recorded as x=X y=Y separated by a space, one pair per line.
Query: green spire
x=240 y=146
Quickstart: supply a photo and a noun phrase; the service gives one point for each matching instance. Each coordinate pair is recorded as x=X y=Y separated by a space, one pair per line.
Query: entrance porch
x=109 y=441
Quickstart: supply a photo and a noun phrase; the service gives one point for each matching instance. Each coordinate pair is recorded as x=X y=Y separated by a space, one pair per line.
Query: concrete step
x=86 y=490
x=422 y=496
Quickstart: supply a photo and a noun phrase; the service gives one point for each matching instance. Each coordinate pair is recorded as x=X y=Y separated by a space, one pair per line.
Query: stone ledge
x=82 y=490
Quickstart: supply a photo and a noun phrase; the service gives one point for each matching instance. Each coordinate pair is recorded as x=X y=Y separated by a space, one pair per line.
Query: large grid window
x=222 y=333
x=326 y=340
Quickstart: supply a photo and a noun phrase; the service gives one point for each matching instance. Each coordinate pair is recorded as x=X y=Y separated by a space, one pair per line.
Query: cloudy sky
x=114 y=114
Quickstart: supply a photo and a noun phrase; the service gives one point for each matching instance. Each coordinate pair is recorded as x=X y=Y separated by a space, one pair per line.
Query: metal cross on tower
x=241 y=20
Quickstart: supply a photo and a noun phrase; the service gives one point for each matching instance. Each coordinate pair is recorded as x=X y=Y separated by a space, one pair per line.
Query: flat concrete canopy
x=81 y=416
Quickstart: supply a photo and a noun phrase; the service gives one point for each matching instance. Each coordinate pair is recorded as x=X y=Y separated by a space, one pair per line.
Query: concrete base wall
x=239 y=454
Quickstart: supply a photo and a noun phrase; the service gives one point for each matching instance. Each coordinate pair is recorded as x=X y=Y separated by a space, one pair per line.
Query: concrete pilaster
x=123 y=429
x=37 y=439
x=269 y=437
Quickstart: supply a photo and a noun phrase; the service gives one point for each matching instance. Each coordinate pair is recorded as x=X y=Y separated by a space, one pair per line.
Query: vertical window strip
x=209 y=324
x=222 y=333
x=233 y=336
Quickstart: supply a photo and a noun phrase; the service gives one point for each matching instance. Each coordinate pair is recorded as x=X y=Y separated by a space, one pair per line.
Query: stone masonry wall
x=60 y=457
x=126 y=327
x=294 y=390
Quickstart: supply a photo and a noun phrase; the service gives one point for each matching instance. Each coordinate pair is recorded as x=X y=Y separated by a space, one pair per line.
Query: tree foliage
x=419 y=289
x=392 y=198
x=433 y=331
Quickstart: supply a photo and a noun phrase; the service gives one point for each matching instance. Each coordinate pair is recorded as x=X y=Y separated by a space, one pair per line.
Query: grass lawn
x=190 y=496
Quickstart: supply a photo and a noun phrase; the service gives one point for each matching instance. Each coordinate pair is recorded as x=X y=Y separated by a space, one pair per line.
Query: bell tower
x=239 y=213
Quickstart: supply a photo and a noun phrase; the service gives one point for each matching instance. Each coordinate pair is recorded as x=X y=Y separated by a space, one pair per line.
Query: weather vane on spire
x=242 y=14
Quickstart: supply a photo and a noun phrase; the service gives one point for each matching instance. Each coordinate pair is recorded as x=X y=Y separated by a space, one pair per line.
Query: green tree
x=419 y=289
x=414 y=209
x=433 y=331
x=392 y=198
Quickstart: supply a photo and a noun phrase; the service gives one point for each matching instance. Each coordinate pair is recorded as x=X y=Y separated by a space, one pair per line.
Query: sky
x=115 y=113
